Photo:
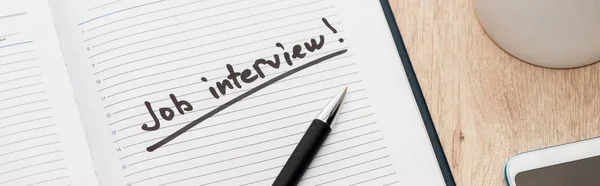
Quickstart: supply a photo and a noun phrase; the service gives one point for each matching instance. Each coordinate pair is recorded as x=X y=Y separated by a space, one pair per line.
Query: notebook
x=207 y=92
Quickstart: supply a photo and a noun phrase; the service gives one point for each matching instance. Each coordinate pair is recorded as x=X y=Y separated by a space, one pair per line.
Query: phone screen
x=584 y=172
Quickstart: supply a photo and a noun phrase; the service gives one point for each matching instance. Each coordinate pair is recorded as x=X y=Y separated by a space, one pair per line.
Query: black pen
x=310 y=143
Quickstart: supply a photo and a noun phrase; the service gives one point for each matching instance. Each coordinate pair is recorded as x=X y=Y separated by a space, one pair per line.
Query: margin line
x=240 y=97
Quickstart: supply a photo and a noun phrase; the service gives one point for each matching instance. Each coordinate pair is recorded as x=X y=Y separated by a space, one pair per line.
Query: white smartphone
x=573 y=164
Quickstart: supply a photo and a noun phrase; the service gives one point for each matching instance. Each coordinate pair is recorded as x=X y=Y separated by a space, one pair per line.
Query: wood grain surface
x=487 y=105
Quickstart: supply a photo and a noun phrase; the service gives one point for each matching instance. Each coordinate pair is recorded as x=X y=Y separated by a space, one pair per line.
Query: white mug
x=548 y=33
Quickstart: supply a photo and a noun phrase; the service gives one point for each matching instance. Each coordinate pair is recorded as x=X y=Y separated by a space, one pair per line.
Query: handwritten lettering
x=275 y=63
x=237 y=79
x=166 y=113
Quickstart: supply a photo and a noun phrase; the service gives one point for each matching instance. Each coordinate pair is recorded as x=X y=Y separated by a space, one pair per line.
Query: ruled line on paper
x=239 y=166
x=20 y=87
x=187 y=67
x=111 y=31
x=295 y=134
x=252 y=97
x=28 y=148
x=347 y=148
x=20 y=78
x=127 y=86
x=11 y=34
x=240 y=91
x=258 y=181
x=201 y=36
x=186 y=22
x=26 y=112
x=350 y=166
x=172 y=88
x=355 y=174
x=16 y=44
x=388 y=184
x=29 y=157
x=214 y=33
x=313 y=111
x=19 y=70
x=222 y=123
x=147 y=22
x=225 y=122
x=15 y=62
x=136 y=134
x=33 y=165
x=327 y=173
x=184 y=31
x=210 y=173
x=247 y=174
x=347 y=102
x=35 y=174
x=345 y=158
x=49 y=180
x=143 y=14
x=212 y=163
x=13 y=15
x=22 y=95
x=197 y=138
x=28 y=139
x=118 y=11
x=104 y=5
x=259 y=95
x=23 y=122
x=15 y=53
x=280 y=81
x=365 y=181
x=200 y=54
x=27 y=130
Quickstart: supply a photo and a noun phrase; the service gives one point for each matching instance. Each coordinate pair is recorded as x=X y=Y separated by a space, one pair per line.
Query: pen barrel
x=302 y=156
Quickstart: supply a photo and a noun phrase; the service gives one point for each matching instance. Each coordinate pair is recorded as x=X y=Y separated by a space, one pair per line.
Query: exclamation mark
x=332 y=29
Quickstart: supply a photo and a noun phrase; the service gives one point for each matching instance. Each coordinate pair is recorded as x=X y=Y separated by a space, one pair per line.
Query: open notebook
x=105 y=92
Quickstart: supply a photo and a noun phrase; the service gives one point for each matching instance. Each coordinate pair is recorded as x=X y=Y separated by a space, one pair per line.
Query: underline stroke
x=241 y=97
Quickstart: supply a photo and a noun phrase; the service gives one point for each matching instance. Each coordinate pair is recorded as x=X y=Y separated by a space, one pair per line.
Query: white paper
x=123 y=53
x=41 y=136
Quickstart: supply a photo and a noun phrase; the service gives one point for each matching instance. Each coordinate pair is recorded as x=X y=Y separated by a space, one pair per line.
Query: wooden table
x=487 y=105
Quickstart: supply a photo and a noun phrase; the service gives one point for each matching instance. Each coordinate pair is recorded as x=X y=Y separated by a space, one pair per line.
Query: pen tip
x=331 y=109
x=343 y=94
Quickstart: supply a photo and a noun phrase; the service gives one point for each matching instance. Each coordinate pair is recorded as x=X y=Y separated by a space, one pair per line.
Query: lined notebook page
x=137 y=51
x=29 y=151
x=33 y=116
